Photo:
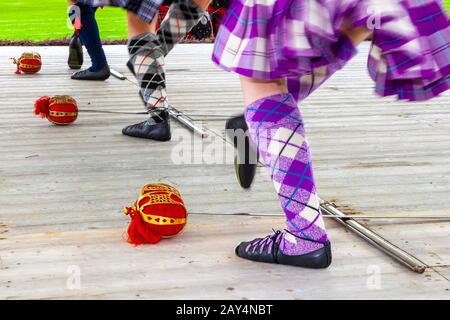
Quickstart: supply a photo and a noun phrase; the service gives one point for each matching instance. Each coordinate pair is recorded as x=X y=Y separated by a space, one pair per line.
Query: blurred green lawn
x=47 y=19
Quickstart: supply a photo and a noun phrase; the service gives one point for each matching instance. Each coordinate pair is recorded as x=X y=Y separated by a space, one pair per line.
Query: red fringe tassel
x=139 y=231
x=41 y=107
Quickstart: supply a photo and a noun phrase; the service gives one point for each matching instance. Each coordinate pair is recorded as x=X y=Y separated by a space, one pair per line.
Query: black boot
x=157 y=127
x=87 y=74
x=75 y=60
x=246 y=156
x=268 y=250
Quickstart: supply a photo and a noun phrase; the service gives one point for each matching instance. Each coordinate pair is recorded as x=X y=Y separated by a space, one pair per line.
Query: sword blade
x=184 y=120
x=117 y=74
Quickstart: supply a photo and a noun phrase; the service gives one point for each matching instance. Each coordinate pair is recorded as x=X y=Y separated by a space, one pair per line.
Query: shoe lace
x=306 y=239
x=273 y=240
x=270 y=240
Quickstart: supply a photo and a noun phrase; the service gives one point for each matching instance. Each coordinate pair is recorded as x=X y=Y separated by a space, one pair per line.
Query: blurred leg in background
x=88 y=35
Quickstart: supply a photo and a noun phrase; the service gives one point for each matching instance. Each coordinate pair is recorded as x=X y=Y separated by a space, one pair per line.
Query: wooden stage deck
x=62 y=190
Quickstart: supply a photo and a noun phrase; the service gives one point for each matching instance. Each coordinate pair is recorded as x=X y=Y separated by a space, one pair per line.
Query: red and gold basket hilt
x=159 y=187
x=157 y=194
x=64 y=99
x=62 y=117
x=158 y=213
x=27 y=55
x=45 y=108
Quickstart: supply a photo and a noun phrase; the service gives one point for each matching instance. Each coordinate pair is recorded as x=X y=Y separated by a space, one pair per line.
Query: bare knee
x=137 y=26
x=357 y=35
x=255 y=89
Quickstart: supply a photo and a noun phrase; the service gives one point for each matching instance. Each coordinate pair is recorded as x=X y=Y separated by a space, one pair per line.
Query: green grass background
x=47 y=19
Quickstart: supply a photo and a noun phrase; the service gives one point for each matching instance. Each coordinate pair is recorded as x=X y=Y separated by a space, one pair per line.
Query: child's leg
x=147 y=51
x=147 y=61
x=90 y=37
x=254 y=90
x=147 y=64
x=277 y=129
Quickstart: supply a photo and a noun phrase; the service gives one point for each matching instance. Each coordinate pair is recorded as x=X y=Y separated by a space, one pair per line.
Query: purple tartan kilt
x=300 y=40
x=144 y=9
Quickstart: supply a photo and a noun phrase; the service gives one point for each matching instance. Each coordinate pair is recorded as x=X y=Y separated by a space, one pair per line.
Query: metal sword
x=330 y=216
x=375 y=239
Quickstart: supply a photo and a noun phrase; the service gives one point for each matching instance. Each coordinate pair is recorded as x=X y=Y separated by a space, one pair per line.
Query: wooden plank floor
x=62 y=189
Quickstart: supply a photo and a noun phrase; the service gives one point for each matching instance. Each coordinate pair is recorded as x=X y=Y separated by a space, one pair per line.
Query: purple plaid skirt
x=300 y=40
x=144 y=9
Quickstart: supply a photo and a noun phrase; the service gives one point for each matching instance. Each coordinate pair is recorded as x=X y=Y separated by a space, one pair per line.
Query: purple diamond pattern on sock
x=276 y=127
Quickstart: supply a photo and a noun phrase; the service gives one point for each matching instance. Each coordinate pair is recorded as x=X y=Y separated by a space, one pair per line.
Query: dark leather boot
x=75 y=60
x=103 y=74
x=246 y=157
x=157 y=127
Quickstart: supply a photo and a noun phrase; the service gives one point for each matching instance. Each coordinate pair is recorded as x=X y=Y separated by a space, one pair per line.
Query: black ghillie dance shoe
x=87 y=74
x=246 y=157
x=269 y=250
x=157 y=127
x=75 y=60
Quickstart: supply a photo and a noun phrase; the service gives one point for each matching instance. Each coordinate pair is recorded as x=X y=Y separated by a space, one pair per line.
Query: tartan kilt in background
x=144 y=9
x=301 y=41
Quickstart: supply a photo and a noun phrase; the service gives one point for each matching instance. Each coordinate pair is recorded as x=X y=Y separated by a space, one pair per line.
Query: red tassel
x=77 y=25
x=139 y=232
x=41 y=107
x=17 y=65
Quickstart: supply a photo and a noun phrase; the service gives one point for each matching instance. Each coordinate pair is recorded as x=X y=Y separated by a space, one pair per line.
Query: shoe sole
x=130 y=67
x=239 y=170
x=245 y=172
x=161 y=140
x=92 y=79
x=318 y=259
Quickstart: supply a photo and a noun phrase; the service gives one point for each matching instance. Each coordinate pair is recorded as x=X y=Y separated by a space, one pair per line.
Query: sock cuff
x=276 y=97
x=272 y=109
